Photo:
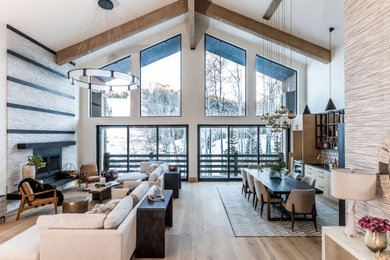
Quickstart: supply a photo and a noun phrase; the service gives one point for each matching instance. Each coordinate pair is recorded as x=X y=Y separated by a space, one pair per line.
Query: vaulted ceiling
x=61 y=23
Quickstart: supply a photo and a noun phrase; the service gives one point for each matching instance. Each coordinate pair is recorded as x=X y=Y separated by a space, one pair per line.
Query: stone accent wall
x=367 y=93
x=33 y=83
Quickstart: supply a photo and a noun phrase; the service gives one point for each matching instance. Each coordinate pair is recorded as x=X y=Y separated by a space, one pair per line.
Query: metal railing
x=224 y=165
x=131 y=163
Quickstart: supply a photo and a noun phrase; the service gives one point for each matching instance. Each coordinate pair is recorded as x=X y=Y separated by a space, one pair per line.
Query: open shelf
x=327 y=125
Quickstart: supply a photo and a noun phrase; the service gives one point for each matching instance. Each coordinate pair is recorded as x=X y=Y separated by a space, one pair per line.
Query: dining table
x=278 y=186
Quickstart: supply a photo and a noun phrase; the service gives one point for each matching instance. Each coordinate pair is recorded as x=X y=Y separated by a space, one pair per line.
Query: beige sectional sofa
x=81 y=236
x=155 y=178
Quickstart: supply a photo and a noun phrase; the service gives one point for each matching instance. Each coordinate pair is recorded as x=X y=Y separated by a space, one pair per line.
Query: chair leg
x=253 y=201
x=292 y=218
x=281 y=213
x=242 y=190
x=55 y=202
x=249 y=194
x=256 y=201
x=314 y=216
x=20 y=210
x=262 y=207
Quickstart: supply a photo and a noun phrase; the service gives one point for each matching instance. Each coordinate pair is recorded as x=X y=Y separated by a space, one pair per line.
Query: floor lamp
x=352 y=185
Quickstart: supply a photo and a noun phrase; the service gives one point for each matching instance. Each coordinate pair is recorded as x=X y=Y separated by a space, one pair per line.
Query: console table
x=335 y=245
x=152 y=217
x=172 y=181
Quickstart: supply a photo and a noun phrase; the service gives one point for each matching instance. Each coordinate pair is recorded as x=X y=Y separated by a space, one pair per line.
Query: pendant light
x=306 y=110
x=330 y=106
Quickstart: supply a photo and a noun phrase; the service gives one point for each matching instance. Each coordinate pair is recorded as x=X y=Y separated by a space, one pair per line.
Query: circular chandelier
x=92 y=79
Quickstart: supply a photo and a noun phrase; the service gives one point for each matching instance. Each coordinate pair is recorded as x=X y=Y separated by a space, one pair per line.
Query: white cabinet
x=322 y=177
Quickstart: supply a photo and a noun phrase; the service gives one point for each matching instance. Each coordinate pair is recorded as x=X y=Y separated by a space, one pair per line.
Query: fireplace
x=53 y=158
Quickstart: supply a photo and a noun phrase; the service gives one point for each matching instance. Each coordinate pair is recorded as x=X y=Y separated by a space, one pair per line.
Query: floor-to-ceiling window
x=161 y=79
x=225 y=149
x=124 y=147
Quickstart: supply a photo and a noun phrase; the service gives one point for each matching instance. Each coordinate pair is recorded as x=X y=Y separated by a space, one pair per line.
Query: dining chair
x=244 y=176
x=251 y=184
x=262 y=194
x=309 y=180
x=294 y=175
x=301 y=202
x=255 y=166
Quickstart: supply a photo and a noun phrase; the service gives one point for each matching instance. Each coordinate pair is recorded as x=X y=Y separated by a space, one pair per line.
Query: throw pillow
x=130 y=190
x=151 y=168
x=157 y=172
x=120 y=212
x=103 y=208
x=139 y=192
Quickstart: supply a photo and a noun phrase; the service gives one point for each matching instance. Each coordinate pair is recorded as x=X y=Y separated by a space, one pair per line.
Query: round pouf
x=75 y=205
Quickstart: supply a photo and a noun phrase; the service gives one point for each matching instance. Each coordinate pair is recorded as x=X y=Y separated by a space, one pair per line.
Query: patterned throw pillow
x=151 y=168
x=103 y=208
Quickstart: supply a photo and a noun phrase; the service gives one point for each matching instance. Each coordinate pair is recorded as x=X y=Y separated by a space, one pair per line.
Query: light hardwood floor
x=201 y=230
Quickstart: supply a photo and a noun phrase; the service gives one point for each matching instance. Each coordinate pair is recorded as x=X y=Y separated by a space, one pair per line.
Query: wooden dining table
x=278 y=186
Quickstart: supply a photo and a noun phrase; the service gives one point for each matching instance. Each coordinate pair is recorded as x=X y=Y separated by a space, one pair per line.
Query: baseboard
x=192 y=179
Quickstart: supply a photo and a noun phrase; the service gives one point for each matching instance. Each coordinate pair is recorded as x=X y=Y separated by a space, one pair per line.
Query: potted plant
x=33 y=162
x=275 y=169
x=376 y=237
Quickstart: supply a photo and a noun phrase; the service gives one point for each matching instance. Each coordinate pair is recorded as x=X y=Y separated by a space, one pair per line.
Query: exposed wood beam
x=191 y=22
x=262 y=30
x=122 y=31
x=271 y=9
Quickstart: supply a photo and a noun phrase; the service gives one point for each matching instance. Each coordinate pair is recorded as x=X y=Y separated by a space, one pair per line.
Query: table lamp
x=352 y=185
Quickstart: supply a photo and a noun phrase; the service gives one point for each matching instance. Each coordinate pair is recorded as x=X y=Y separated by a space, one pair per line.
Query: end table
x=172 y=181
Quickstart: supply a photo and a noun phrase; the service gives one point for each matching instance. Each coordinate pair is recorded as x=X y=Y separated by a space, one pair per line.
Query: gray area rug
x=246 y=222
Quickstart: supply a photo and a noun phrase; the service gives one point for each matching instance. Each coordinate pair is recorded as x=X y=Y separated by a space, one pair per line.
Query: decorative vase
x=375 y=240
x=28 y=171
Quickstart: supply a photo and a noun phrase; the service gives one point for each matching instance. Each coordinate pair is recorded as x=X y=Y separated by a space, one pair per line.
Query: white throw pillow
x=119 y=213
x=139 y=192
x=71 y=221
x=151 y=168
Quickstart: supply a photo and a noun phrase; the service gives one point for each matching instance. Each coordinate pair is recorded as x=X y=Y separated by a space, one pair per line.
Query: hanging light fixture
x=306 y=110
x=103 y=80
x=330 y=106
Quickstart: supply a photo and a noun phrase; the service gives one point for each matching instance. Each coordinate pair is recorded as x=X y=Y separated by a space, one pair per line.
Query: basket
x=70 y=169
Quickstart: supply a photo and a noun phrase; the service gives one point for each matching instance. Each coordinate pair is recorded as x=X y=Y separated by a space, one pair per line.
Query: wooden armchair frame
x=25 y=201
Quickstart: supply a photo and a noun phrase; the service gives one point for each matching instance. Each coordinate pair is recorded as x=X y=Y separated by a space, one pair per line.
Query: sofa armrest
x=119 y=193
x=80 y=244
x=129 y=184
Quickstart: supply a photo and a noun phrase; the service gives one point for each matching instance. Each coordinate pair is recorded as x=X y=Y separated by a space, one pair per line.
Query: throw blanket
x=38 y=187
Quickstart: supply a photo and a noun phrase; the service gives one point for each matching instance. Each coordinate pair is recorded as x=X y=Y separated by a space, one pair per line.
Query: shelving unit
x=327 y=126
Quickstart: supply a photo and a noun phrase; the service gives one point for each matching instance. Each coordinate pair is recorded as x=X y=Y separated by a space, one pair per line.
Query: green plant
x=275 y=166
x=36 y=160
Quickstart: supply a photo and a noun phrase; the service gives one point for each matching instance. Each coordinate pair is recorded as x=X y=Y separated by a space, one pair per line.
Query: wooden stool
x=77 y=204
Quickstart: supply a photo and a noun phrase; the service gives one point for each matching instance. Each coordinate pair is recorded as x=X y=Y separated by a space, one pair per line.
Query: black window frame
x=205 y=79
x=181 y=77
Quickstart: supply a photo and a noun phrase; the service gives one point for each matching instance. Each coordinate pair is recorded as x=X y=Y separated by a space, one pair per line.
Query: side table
x=172 y=181
x=152 y=217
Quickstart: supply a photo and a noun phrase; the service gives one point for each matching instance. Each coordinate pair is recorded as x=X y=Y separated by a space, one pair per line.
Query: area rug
x=246 y=222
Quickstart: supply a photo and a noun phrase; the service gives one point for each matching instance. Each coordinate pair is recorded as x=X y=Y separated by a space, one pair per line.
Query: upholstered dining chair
x=294 y=175
x=301 y=202
x=262 y=194
x=251 y=185
x=30 y=198
x=309 y=180
x=245 y=186
x=89 y=173
x=255 y=166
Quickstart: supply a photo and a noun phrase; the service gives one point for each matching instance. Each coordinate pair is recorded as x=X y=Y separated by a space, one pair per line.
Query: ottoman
x=77 y=204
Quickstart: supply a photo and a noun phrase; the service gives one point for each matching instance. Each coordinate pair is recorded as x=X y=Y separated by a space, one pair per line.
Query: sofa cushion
x=157 y=172
x=139 y=192
x=103 y=208
x=152 y=167
x=120 y=212
x=24 y=246
x=71 y=221
x=145 y=165
x=130 y=176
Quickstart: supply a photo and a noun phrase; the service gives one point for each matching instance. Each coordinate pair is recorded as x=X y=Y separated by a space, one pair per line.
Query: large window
x=124 y=147
x=225 y=150
x=276 y=85
x=225 y=89
x=161 y=79
x=111 y=103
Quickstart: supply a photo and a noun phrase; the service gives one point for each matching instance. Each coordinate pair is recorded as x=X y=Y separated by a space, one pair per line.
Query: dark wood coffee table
x=152 y=217
x=103 y=192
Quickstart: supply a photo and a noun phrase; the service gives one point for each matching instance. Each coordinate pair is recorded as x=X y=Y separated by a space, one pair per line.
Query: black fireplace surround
x=52 y=156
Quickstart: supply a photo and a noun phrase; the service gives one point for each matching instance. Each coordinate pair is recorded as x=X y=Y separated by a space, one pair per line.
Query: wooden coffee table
x=103 y=192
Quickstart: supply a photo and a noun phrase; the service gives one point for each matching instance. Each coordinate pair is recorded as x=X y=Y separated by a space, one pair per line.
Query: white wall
x=3 y=108
x=192 y=88
x=318 y=77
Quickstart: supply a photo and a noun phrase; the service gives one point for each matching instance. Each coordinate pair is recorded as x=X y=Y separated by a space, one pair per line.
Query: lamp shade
x=306 y=111
x=330 y=106
x=353 y=185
